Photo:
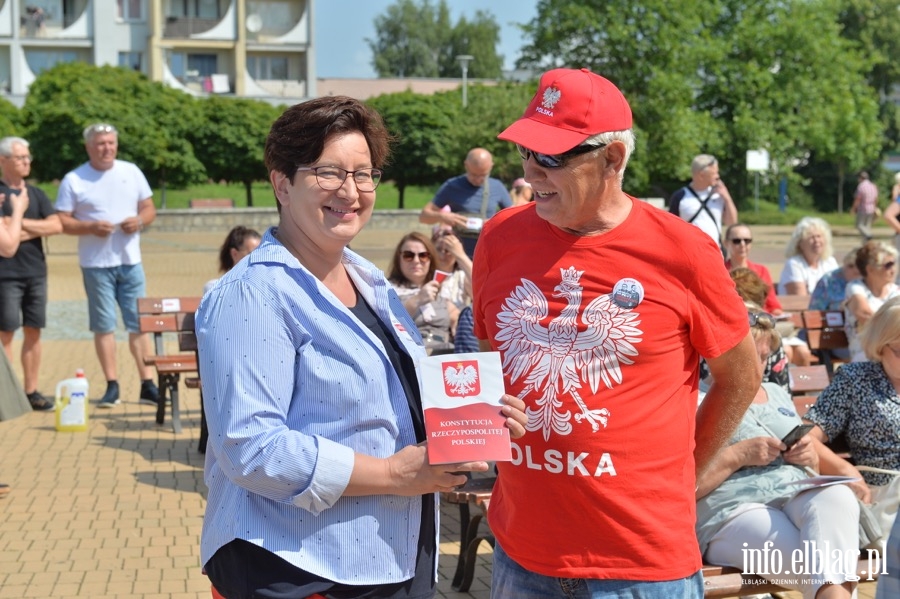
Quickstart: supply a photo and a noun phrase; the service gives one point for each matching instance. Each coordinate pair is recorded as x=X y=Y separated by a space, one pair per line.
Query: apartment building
x=261 y=49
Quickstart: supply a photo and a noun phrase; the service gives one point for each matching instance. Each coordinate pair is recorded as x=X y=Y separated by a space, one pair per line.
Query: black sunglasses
x=555 y=160
x=410 y=256
x=740 y=240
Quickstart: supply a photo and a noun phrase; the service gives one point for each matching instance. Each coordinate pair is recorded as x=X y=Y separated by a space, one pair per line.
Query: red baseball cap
x=570 y=105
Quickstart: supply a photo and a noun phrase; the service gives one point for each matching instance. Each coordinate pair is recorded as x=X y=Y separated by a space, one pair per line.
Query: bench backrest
x=161 y=315
x=793 y=303
x=212 y=203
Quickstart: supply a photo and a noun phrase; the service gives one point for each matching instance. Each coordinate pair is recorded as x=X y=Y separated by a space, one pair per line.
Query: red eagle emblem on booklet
x=461 y=379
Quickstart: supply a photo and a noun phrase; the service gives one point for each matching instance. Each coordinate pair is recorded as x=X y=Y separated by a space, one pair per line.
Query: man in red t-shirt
x=601 y=307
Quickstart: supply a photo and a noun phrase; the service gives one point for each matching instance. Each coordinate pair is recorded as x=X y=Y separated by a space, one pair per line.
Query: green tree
x=153 y=121
x=491 y=109
x=10 y=119
x=419 y=40
x=723 y=77
x=479 y=39
x=420 y=124
x=230 y=140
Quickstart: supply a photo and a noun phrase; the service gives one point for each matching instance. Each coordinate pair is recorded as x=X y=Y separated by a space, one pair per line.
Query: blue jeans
x=106 y=287
x=511 y=581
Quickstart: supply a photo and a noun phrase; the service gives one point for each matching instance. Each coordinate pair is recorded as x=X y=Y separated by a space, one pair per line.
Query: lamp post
x=464 y=60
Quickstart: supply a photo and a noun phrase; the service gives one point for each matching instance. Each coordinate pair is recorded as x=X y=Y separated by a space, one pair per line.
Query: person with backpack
x=705 y=202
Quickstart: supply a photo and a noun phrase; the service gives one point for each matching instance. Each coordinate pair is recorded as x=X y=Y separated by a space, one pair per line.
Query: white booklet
x=461 y=399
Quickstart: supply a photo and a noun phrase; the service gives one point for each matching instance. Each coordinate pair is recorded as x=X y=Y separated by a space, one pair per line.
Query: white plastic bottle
x=72 y=403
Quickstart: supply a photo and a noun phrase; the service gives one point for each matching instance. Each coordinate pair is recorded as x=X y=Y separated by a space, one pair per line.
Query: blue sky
x=342 y=27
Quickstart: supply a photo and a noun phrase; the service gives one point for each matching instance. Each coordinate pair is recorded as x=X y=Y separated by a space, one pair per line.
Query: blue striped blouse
x=293 y=386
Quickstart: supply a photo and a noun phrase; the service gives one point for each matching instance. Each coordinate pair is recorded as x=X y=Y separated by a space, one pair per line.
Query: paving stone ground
x=116 y=511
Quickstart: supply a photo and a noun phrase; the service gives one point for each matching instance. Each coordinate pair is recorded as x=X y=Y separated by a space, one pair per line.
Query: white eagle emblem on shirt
x=550 y=98
x=556 y=359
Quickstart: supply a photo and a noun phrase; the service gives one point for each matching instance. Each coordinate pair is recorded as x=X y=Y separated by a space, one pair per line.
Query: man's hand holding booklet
x=463 y=412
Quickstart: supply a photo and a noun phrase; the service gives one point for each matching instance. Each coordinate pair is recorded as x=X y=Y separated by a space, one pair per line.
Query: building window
x=203 y=9
x=130 y=60
x=268 y=67
x=131 y=10
x=41 y=60
x=191 y=67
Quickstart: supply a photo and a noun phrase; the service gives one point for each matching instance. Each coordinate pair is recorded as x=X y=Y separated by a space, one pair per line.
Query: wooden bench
x=721 y=581
x=793 y=303
x=718 y=581
x=212 y=203
x=825 y=333
x=170 y=316
x=474 y=494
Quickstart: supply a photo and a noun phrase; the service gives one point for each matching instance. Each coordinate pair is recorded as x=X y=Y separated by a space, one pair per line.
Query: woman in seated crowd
x=877 y=264
x=862 y=404
x=412 y=276
x=794 y=350
x=809 y=257
x=450 y=257
x=239 y=242
x=831 y=290
x=752 y=290
x=521 y=192
x=738 y=240
x=746 y=497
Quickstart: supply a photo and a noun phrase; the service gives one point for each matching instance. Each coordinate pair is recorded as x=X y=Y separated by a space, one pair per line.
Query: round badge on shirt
x=627 y=293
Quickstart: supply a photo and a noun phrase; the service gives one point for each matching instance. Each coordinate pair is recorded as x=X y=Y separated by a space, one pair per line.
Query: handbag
x=476 y=221
x=877 y=518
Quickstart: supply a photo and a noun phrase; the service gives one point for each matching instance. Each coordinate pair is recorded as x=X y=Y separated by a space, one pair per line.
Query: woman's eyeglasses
x=410 y=256
x=740 y=240
x=761 y=319
x=331 y=178
x=888 y=265
x=555 y=160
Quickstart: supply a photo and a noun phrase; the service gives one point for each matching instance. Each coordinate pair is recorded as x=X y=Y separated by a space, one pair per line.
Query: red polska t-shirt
x=602 y=336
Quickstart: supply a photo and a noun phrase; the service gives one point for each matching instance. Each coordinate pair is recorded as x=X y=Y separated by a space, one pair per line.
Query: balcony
x=185 y=27
x=52 y=19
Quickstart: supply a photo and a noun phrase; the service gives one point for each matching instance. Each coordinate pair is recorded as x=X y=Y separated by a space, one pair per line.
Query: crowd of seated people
x=749 y=496
x=862 y=405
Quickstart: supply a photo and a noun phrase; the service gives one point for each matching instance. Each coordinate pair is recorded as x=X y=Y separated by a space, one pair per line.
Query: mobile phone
x=797 y=433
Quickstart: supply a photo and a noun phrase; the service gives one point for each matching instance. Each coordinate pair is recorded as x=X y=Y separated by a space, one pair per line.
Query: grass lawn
x=416 y=197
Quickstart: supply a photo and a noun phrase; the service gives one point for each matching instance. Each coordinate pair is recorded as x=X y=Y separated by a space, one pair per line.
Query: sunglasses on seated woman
x=556 y=160
x=410 y=256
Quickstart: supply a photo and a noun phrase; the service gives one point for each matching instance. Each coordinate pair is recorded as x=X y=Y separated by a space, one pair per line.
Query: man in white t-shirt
x=705 y=202
x=107 y=202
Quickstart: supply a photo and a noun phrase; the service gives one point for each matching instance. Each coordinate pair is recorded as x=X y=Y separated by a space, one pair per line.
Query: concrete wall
x=200 y=219
x=214 y=219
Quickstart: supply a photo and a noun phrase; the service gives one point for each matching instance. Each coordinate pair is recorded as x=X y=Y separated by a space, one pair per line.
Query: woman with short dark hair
x=318 y=476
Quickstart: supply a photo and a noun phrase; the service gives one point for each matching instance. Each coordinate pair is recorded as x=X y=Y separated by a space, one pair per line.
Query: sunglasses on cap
x=761 y=319
x=555 y=160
